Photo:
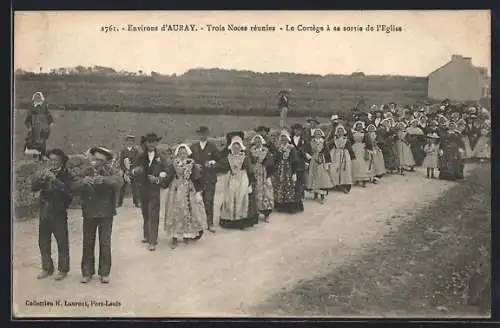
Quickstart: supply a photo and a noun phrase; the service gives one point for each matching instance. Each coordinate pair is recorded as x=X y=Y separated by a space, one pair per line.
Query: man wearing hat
x=206 y=154
x=304 y=155
x=151 y=172
x=128 y=157
x=98 y=187
x=54 y=185
x=283 y=106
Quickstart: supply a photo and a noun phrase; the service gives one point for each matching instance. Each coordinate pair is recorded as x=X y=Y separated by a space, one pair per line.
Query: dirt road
x=226 y=273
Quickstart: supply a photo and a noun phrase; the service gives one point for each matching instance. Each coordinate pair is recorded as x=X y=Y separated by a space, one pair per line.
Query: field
x=76 y=131
x=218 y=92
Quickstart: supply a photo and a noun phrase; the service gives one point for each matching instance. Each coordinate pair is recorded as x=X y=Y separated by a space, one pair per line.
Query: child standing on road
x=431 y=149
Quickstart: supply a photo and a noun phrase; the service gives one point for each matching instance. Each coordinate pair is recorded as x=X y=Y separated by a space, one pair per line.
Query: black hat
x=262 y=128
x=297 y=126
x=57 y=152
x=151 y=137
x=102 y=150
x=203 y=129
x=313 y=120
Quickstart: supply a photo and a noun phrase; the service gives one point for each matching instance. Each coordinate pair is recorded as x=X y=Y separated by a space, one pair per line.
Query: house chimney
x=455 y=57
x=468 y=60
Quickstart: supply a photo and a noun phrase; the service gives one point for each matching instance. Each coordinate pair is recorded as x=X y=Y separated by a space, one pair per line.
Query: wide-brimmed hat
x=101 y=150
x=261 y=129
x=203 y=129
x=152 y=137
x=57 y=152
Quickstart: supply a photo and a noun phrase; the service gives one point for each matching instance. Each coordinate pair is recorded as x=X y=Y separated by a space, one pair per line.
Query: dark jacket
x=55 y=196
x=303 y=147
x=158 y=165
x=202 y=156
x=131 y=154
x=99 y=200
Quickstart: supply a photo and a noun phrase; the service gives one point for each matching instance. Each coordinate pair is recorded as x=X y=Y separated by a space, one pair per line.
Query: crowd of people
x=258 y=175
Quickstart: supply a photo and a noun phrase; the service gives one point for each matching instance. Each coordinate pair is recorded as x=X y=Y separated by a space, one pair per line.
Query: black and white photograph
x=284 y=164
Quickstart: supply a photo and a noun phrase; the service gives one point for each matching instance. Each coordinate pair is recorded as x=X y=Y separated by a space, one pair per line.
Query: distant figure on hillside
x=283 y=106
x=38 y=122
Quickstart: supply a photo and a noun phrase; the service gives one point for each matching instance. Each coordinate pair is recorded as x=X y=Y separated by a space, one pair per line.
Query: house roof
x=481 y=70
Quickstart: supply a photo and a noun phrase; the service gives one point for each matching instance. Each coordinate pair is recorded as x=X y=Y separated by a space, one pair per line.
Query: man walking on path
x=128 y=157
x=54 y=185
x=206 y=154
x=98 y=187
x=151 y=171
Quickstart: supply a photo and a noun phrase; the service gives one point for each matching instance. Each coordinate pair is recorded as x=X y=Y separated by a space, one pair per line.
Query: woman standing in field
x=38 y=122
x=341 y=155
x=287 y=195
x=185 y=216
x=263 y=168
x=238 y=205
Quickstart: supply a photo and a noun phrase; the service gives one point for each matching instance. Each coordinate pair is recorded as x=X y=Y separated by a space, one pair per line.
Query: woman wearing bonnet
x=287 y=195
x=238 y=204
x=319 y=180
x=185 y=216
x=38 y=122
x=263 y=167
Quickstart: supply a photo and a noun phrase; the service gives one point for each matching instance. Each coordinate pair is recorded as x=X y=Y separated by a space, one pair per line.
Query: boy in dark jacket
x=98 y=188
x=54 y=185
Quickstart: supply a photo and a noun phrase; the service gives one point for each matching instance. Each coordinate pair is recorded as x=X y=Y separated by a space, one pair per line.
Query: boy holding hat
x=206 y=155
x=128 y=157
x=151 y=173
x=54 y=185
x=98 y=187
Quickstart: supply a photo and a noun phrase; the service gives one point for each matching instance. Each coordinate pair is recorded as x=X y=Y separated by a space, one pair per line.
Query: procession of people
x=258 y=175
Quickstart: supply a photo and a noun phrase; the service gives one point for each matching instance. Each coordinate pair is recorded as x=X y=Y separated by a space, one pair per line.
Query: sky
x=426 y=42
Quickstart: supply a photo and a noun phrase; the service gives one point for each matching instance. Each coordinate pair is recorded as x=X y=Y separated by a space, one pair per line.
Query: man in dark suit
x=54 y=185
x=128 y=156
x=304 y=156
x=98 y=186
x=151 y=172
x=205 y=154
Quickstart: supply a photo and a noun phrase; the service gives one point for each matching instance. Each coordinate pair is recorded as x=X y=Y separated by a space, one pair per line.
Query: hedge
x=26 y=202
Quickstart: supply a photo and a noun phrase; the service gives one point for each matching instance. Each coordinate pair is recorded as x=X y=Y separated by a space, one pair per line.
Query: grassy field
x=76 y=131
x=219 y=91
x=436 y=264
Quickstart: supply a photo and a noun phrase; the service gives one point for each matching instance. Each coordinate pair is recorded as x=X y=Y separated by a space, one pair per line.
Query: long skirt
x=341 y=167
x=263 y=190
x=404 y=155
x=416 y=150
x=451 y=166
x=287 y=193
x=378 y=164
x=389 y=157
x=468 y=149
x=360 y=166
x=185 y=215
x=482 y=148
x=319 y=179
x=236 y=207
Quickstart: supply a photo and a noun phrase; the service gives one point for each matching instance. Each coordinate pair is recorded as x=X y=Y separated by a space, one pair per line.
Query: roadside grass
x=434 y=265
